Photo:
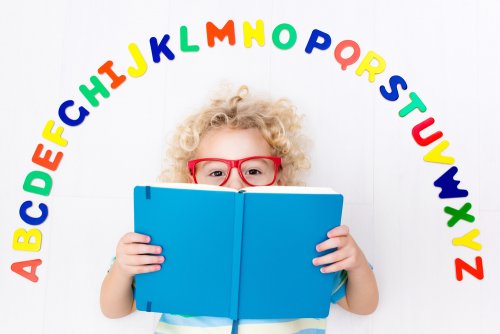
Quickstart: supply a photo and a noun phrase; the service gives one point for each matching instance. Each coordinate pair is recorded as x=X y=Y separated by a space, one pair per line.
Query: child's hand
x=348 y=255
x=133 y=254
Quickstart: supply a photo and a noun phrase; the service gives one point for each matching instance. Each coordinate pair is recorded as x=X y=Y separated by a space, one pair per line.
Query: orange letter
x=45 y=161
x=227 y=30
x=106 y=68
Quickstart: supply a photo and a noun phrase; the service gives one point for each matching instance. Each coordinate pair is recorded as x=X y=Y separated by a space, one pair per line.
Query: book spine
x=237 y=246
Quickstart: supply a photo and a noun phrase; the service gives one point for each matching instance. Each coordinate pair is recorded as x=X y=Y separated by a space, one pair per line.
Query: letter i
x=106 y=68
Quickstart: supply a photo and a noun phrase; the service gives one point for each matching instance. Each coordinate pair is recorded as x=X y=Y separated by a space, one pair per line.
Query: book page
x=280 y=234
x=289 y=190
x=191 y=186
x=196 y=231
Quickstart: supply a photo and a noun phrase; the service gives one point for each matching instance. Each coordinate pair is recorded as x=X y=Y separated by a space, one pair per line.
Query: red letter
x=429 y=139
x=18 y=268
x=461 y=265
x=344 y=62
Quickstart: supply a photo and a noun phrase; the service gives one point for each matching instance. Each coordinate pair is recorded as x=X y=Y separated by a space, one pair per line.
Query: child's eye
x=254 y=172
x=217 y=173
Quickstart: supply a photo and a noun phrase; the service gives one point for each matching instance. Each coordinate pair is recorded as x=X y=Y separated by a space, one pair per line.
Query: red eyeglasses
x=254 y=171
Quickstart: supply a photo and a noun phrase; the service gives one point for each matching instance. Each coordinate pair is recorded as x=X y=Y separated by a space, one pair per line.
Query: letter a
x=18 y=268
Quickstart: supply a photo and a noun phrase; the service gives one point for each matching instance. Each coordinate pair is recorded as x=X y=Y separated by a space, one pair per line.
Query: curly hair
x=277 y=121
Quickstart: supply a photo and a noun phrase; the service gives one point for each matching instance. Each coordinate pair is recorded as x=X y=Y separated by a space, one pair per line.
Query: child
x=235 y=129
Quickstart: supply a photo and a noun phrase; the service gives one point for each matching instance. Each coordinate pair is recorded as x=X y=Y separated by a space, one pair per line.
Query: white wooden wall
x=447 y=51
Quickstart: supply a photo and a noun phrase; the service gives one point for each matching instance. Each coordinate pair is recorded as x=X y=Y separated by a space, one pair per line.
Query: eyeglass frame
x=236 y=163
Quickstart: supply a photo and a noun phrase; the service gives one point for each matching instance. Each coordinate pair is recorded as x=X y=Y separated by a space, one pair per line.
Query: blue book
x=243 y=254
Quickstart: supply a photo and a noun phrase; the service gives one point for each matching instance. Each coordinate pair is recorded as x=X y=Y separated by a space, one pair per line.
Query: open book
x=243 y=254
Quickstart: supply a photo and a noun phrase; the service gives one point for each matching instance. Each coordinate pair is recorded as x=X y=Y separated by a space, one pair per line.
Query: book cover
x=243 y=254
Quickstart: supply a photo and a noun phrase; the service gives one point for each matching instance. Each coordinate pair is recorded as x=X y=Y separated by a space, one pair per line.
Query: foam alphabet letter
x=106 y=69
x=22 y=240
x=429 y=139
x=55 y=137
x=461 y=265
x=394 y=81
x=313 y=41
x=449 y=186
x=221 y=34
x=292 y=36
x=435 y=155
x=366 y=65
x=45 y=160
x=344 y=62
x=37 y=175
x=142 y=66
x=90 y=94
x=461 y=214
x=416 y=103
x=18 y=268
x=23 y=213
x=83 y=112
x=185 y=47
x=250 y=33
x=468 y=240
x=160 y=48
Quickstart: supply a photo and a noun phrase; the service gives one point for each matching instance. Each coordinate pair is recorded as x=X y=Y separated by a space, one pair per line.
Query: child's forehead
x=232 y=143
x=226 y=131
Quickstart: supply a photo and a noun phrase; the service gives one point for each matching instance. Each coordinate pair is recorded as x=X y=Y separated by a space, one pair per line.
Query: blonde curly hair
x=277 y=121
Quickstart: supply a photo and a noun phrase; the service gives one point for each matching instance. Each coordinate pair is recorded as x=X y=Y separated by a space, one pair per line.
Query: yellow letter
x=467 y=240
x=22 y=240
x=250 y=33
x=142 y=66
x=56 y=137
x=435 y=155
x=366 y=65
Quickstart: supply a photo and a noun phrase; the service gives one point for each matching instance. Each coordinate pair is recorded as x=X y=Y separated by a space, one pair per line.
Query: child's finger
x=337 y=242
x=132 y=237
x=338 y=231
x=139 y=260
x=337 y=266
x=143 y=269
x=330 y=258
x=136 y=249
